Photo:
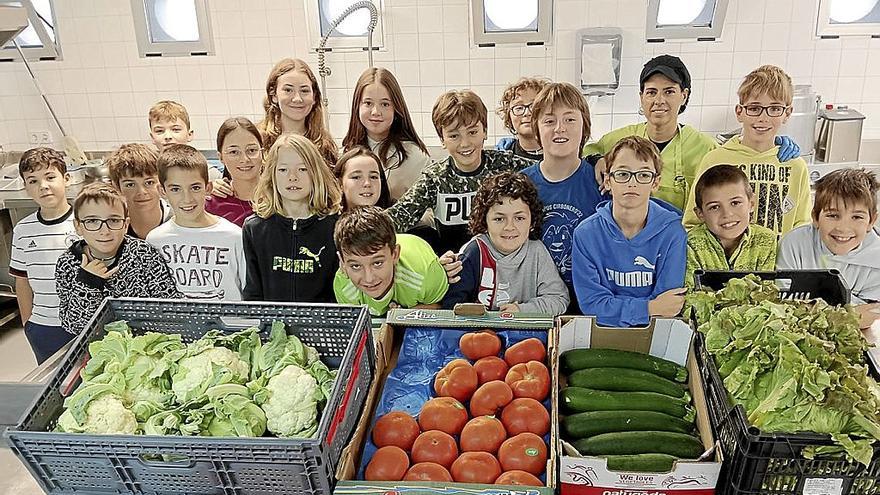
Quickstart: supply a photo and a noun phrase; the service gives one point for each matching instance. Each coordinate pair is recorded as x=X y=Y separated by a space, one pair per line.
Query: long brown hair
x=326 y=194
x=316 y=130
x=230 y=125
x=402 y=128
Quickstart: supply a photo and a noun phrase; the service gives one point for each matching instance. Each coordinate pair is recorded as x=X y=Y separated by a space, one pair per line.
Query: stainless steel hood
x=13 y=20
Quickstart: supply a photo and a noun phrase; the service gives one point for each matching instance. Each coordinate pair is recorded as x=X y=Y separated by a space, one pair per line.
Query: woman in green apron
x=665 y=87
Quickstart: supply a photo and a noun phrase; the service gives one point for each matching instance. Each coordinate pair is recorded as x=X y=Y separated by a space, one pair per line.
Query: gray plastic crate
x=71 y=463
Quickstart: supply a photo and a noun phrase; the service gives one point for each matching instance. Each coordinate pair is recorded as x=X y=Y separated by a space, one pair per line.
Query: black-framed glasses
x=237 y=154
x=642 y=176
x=757 y=110
x=520 y=110
x=95 y=224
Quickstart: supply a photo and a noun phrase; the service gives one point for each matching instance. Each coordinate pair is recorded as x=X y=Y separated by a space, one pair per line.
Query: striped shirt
x=36 y=246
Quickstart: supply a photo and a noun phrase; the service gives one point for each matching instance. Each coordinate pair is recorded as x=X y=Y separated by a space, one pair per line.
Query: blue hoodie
x=615 y=277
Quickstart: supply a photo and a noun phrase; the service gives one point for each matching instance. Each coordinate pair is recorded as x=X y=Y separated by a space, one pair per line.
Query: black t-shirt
x=535 y=156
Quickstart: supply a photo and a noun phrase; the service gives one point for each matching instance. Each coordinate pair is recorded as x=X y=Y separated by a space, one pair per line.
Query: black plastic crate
x=793 y=284
x=81 y=463
x=773 y=463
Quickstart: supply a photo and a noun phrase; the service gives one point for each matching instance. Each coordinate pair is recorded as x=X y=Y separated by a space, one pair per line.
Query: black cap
x=668 y=65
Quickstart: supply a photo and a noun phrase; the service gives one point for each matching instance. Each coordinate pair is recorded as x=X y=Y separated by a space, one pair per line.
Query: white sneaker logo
x=641 y=261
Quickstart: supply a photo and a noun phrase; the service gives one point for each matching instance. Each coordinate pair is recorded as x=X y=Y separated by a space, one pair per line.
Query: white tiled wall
x=102 y=89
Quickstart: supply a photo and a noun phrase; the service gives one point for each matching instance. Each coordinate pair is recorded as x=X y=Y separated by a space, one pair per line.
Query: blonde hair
x=562 y=93
x=316 y=130
x=168 y=110
x=132 y=160
x=524 y=83
x=325 y=197
x=458 y=107
x=769 y=80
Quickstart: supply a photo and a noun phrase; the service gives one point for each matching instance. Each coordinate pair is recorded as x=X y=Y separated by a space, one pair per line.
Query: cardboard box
x=388 y=345
x=666 y=338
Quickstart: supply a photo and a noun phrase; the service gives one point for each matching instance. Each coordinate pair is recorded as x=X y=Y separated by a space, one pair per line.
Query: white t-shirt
x=36 y=246
x=206 y=262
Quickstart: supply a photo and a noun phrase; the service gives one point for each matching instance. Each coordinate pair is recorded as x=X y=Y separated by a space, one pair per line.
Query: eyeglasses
x=642 y=176
x=95 y=224
x=520 y=110
x=237 y=154
x=757 y=110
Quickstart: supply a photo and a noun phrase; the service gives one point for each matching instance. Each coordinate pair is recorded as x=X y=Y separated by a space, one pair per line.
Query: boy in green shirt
x=384 y=270
x=782 y=189
x=726 y=240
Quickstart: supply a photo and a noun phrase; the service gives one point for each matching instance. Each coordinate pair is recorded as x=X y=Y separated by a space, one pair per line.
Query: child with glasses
x=106 y=262
x=240 y=145
x=782 y=189
x=37 y=242
x=629 y=257
x=515 y=111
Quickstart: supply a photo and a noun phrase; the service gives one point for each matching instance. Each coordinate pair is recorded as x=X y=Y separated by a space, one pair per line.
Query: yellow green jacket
x=756 y=252
x=782 y=190
x=681 y=157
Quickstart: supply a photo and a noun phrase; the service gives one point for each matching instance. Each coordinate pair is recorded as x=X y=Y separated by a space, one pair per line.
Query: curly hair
x=495 y=189
x=522 y=84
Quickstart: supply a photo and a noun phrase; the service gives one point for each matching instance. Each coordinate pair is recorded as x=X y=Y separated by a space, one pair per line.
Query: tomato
x=517 y=477
x=490 y=368
x=525 y=452
x=443 y=413
x=529 y=380
x=396 y=428
x=388 y=464
x=476 y=467
x=427 y=471
x=483 y=434
x=457 y=379
x=476 y=345
x=525 y=351
x=435 y=446
x=525 y=415
x=490 y=398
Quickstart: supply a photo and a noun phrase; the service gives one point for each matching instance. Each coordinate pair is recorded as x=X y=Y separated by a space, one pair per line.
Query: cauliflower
x=291 y=403
x=213 y=366
x=106 y=414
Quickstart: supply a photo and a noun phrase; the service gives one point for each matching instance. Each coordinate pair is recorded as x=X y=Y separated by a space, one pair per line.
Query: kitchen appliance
x=840 y=134
x=801 y=124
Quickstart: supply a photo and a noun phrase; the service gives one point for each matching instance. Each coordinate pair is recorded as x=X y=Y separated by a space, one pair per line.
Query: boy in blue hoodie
x=629 y=257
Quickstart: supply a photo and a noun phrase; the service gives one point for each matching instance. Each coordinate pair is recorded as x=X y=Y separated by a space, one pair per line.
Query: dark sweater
x=290 y=260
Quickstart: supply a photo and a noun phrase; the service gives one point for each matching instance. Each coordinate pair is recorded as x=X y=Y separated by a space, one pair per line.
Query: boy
x=782 y=189
x=726 y=240
x=37 y=242
x=566 y=183
x=133 y=172
x=447 y=186
x=204 y=251
x=841 y=237
x=106 y=262
x=381 y=269
x=629 y=256
x=506 y=267
x=169 y=124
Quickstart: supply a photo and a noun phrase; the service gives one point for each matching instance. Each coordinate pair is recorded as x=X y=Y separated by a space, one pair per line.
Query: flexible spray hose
x=323 y=70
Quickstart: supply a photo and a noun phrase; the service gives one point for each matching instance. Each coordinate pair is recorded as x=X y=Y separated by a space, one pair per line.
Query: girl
x=516 y=113
x=288 y=243
x=293 y=104
x=362 y=179
x=505 y=266
x=380 y=120
x=241 y=152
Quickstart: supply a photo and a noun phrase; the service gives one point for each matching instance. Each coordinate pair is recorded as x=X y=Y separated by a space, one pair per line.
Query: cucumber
x=588 y=424
x=580 y=359
x=641 y=442
x=625 y=380
x=576 y=399
x=643 y=463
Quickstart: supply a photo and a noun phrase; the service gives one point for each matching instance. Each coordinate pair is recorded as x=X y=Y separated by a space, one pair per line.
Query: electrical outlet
x=40 y=137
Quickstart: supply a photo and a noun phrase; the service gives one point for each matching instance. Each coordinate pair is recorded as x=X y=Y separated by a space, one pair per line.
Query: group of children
x=533 y=226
